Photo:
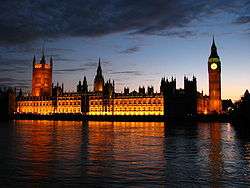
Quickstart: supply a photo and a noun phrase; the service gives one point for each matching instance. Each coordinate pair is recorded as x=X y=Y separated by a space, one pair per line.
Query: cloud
x=69 y=70
x=130 y=50
x=6 y=79
x=22 y=21
x=12 y=82
x=58 y=58
x=243 y=15
x=171 y=32
x=242 y=20
x=91 y=64
x=136 y=73
x=14 y=66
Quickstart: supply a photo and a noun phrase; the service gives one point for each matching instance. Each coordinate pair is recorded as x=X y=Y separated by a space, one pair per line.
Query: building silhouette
x=103 y=100
x=82 y=87
x=240 y=115
x=179 y=102
x=8 y=102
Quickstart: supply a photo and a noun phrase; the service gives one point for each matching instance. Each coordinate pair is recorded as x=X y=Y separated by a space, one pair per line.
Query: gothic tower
x=214 y=72
x=190 y=90
x=99 y=80
x=42 y=77
x=83 y=87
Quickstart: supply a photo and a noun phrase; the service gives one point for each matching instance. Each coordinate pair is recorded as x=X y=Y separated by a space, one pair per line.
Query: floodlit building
x=103 y=100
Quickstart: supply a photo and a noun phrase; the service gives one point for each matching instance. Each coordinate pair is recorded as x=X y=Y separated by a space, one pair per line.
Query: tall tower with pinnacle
x=99 y=80
x=42 y=77
x=214 y=73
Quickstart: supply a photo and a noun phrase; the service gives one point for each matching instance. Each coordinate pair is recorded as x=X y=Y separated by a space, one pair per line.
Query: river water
x=122 y=154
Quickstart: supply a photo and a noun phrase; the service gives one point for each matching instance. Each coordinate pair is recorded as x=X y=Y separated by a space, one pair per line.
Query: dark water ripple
x=122 y=154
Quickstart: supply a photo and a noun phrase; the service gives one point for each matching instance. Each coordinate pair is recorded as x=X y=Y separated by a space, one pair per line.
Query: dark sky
x=139 y=41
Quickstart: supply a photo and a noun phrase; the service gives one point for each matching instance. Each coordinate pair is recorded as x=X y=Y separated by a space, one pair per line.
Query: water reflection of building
x=211 y=151
x=44 y=147
x=74 y=152
x=126 y=149
x=103 y=100
x=33 y=147
x=215 y=153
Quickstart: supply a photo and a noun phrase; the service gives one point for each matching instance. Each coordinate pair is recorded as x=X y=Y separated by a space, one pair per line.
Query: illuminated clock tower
x=214 y=72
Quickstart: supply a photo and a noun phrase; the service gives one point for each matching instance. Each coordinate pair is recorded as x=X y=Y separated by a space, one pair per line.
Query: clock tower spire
x=214 y=73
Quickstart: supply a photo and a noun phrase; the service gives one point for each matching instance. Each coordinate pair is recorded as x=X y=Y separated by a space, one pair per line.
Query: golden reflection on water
x=215 y=153
x=219 y=150
x=211 y=151
x=127 y=151
x=40 y=143
x=133 y=143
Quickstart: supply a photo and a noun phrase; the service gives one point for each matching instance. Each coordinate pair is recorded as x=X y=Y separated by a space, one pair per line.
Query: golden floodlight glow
x=128 y=106
x=214 y=66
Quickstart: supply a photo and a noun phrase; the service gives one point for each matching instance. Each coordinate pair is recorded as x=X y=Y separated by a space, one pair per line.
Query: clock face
x=213 y=66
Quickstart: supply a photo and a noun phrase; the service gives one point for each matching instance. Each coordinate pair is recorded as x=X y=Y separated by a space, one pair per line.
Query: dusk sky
x=138 y=41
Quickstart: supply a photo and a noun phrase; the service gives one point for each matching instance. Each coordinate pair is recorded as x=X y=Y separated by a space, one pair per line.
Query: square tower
x=42 y=77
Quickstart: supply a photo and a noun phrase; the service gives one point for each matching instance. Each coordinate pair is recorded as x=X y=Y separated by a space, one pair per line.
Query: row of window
x=125 y=102
x=35 y=104
x=68 y=98
x=127 y=109
x=47 y=103
x=91 y=103
x=69 y=103
x=46 y=110
x=128 y=113
x=68 y=110
x=35 y=110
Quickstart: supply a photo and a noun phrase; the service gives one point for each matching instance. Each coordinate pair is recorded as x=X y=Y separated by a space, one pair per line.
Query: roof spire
x=84 y=80
x=34 y=60
x=43 y=50
x=51 y=61
x=99 y=68
x=213 y=50
x=43 y=56
x=213 y=44
x=43 y=61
